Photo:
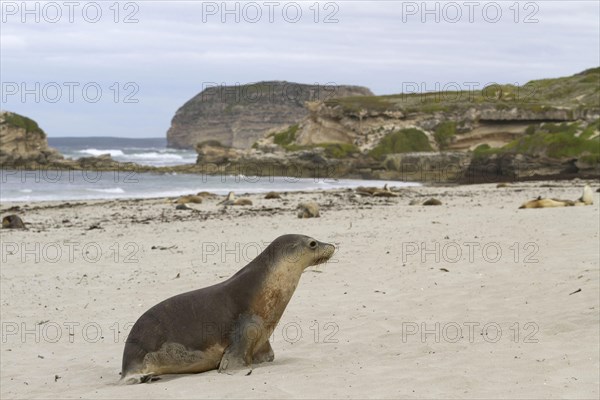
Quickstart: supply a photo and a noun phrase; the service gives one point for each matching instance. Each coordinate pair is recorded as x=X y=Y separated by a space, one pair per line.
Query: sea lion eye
x=312 y=244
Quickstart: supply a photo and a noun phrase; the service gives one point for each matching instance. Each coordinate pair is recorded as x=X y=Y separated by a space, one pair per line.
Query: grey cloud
x=170 y=52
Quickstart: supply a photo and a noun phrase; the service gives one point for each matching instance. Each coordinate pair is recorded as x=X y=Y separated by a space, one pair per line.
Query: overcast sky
x=123 y=69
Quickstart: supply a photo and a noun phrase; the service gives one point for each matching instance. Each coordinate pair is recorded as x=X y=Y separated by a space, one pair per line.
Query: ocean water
x=45 y=185
x=50 y=185
x=144 y=151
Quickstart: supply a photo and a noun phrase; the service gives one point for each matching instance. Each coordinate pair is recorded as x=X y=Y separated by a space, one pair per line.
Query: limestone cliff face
x=237 y=116
x=473 y=126
x=23 y=142
x=553 y=130
x=458 y=120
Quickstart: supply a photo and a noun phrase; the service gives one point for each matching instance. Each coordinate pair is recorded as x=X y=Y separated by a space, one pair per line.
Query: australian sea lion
x=374 y=191
x=586 y=199
x=224 y=326
x=205 y=194
x=309 y=209
x=386 y=192
x=272 y=195
x=13 y=222
x=547 y=203
x=232 y=201
x=189 y=199
x=432 y=202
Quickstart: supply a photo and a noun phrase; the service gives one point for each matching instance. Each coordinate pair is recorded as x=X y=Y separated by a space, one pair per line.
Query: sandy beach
x=471 y=299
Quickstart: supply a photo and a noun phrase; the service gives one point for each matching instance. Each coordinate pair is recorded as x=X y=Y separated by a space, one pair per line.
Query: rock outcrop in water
x=237 y=116
x=23 y=142
x=24 y=145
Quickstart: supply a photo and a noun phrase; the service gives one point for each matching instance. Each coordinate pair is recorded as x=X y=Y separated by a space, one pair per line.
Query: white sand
x=365 y=305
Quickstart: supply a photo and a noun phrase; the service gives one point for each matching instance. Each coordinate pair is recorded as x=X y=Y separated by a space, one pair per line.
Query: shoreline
x=118 y=184
x=449 y=173
x=401 y=192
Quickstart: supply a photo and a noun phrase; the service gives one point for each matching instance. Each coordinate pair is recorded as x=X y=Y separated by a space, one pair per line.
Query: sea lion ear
x=290 y=252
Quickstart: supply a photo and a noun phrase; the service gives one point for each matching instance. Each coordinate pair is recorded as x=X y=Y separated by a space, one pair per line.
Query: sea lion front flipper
x=139 y=378
x=244 y=337
x=264 y=354
x=234 y=362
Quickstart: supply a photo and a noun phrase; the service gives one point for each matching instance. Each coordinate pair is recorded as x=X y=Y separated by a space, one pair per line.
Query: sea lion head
x=300 y=251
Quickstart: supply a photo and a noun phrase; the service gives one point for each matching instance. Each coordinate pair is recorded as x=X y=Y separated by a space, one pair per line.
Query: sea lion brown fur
x=189 y=199
x=309 y=209
x=12 y=222
x=231 y=200
x=272 y=195
x=586 y=199
x=375 y=192
x=224 y=326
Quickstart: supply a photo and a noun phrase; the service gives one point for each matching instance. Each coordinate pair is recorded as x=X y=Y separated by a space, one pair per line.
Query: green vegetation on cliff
x=287 y=137
x=338 y=150
x=579 y=91
x=23 y=122
x=404 y=141
x=444 y=133
x=555 y=141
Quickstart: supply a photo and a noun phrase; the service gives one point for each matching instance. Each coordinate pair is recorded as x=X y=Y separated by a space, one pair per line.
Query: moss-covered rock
x=403 y=141
x=444 y=133
x=20 y=121
x=339 y=150
x=286 y=137
x=559 y=141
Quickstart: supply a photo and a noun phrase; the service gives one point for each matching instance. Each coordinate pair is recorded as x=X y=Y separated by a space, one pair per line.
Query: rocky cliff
x=237 y=116
x=24 y=145
x=546 y=127
x=23 y=142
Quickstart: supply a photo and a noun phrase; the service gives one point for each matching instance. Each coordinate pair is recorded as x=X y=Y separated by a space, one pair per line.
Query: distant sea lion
x=224 y=326
x=432 y=202
x=309 y=209
x=12 y=222
x=242 y=202
x=586 y=199
x=386 y=192
x=232 y=201
x=376 y=192
x=189 y=199
x=547 y=203
x=205 y=194
x=272 y=195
